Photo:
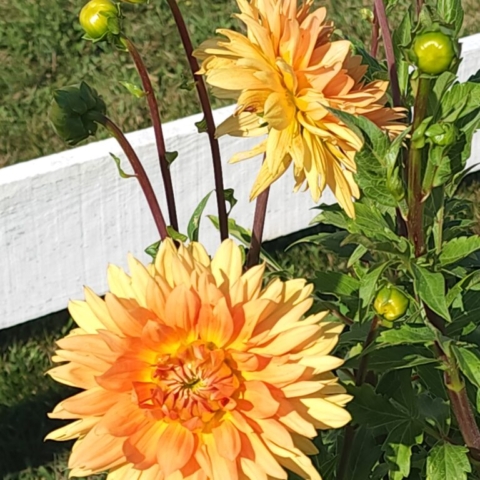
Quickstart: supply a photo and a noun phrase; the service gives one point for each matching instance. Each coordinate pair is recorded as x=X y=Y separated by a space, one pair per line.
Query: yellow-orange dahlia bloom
x=193 y=370
x=284 y=75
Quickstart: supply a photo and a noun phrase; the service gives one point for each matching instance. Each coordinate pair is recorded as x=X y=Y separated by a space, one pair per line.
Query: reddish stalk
x=157 y=128
x=207 y=111
x=139 y=171
x=375 y=35
x=253 y=256
x=381 y=14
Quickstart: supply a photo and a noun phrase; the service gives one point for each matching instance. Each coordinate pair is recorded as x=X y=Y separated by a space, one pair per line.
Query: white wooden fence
x=64 y=217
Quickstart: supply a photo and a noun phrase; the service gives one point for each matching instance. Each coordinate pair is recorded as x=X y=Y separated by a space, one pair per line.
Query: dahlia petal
x=258 y=401
x=215 y=325
x=175 y=448
x=163 y=260
x=73 y=430
x=221 y=467
x=98 y=307
x=74 y=375
x=93 y=402
x=128 y=324
x=257 y=150
x=227 y=263
x=327 y=412
x=123 y=419
x=227 y=439
x=84 y=316
x=119 y=283
x=141 y=448
x=139 y=280
x=88 y=344
x=182 y=308
x=322 y=363
x=95 y=453
x=121 y=375
x=273 y=430
x=248 y=286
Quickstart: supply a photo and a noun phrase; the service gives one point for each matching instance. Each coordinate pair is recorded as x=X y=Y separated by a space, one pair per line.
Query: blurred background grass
x=40 y=50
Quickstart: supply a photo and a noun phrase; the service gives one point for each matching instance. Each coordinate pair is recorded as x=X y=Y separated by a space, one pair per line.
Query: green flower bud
x=390 y=303
x=434 y=52
x=73 y=112
x=99 y=18
x=442 y=134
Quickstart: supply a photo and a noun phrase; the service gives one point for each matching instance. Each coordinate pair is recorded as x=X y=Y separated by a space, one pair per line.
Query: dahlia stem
x=253 y=255
x=414 y=169
x=157 y=128
x=381 y=14
x=375 y=35
x=139 y=171
x=207 y=111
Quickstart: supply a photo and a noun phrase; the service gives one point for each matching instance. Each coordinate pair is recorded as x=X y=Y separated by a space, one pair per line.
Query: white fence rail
x=64 y=217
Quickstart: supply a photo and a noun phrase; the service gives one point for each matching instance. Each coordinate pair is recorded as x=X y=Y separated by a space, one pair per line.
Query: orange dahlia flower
x=284 y=74
x=193 y=370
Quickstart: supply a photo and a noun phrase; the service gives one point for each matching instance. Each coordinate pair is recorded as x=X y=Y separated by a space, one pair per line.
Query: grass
x=41 y=49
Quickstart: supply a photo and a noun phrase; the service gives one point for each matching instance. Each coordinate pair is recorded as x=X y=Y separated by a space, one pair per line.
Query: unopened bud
x=390 y=303
x=99 y=18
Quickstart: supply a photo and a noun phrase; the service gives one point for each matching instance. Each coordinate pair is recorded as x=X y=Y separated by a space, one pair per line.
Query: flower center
x=192 y=386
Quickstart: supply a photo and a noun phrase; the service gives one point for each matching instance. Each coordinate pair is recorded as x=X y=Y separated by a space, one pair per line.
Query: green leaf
x=446 y=461
x=202 y=126
x=406 y=334
x=366 y=454
x=194 y=223
x=430 y=287
x=121 y=172
x=336 y=283
x=435 y=411
x=369 y=285
x=459 y=248
x=152 y=250
x=468 y=362
x=357 y=254
x=452 y=12
x=230 y=198
x=135 y=90
x=180 y=237
x=373 y=410
x=171 y=157
x=396 y=357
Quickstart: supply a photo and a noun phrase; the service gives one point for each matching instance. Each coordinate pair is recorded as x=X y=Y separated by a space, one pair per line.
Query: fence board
x=64 y=217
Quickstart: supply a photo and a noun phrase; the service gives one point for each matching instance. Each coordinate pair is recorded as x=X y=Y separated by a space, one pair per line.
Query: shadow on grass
x=27 y=394
x=24 y=427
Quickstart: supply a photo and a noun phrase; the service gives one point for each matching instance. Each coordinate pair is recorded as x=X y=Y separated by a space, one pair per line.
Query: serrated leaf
x=202 y=126
x=459 y=248
x=171 y=157
x=430 y=287
x=446 y=461
x=152 y=250
x=194 y=223
x=135 y=90
x=230 y=198
x=406 y=334
x=180 y=237
x=121 y=172
x=468 y=362
x=397 y=357
x=367 y=453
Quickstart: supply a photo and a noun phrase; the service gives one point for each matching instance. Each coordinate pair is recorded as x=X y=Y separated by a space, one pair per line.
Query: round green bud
x=390 y=303
x=74 y=111
x=99 y=18
x=434 y=51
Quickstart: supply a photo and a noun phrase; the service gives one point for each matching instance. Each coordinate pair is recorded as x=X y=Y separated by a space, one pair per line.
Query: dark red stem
x=157 y=128
x=139 y=173
x=253 y=256
x=207 y=111
x=381 y=14
x=375 y=35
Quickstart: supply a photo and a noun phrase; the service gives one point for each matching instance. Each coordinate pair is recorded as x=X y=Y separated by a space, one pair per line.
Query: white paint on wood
x=64 y=217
